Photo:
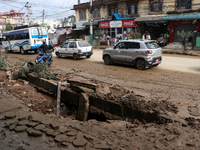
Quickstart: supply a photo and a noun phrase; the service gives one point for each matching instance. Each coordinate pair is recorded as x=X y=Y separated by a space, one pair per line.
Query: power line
x=36 y=5
x=58 y=13
x=12 y=5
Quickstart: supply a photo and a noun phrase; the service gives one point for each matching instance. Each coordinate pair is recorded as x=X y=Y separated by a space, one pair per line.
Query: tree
x=72 y=19
x=64 y=21
x=184 y=36
x=8 y=27
x=98 y=35
x=135 y=35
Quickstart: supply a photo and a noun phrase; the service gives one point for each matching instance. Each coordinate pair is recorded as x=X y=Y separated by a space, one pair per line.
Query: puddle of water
x=48 y=97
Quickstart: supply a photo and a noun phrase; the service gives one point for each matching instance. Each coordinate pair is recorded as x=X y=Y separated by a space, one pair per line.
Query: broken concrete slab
x=82 y=83
x=83 y=107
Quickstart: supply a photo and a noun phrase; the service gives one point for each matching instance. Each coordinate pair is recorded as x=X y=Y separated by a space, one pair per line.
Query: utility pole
x=27 y=7
x=43 y=17
x=91 y=21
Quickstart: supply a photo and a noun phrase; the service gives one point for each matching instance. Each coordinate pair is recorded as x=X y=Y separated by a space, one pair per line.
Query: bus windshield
x=34 y=31
x=39 y=31
x=43 y=31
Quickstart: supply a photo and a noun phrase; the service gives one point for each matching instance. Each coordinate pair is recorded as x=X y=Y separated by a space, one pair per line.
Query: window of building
x=17 y=20
x=96 y=13
x=54 y=26
x=132 y=8
x=82 y=15
x=183 y=4
x=155 y=5
x=112 y=10
x=119 y=30
x=8 y=21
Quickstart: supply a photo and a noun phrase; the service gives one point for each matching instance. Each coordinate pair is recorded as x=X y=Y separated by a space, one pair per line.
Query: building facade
x=158 y=17
x=15 y=18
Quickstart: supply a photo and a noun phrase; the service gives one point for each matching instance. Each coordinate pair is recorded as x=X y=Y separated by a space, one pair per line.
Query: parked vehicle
x=44 y=58
x=24 y=39
x=75 y=49
x=140 y=53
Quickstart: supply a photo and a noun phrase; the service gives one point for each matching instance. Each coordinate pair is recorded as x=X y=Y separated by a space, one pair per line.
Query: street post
x=91 y=26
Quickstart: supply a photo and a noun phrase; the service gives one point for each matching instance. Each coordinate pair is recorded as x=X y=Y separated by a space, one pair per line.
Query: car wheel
x=88 y=56
x=107 y=60
x=58 y=55
x=140 y=64
x=75 y=57
x=22 y=50
x=35 y=51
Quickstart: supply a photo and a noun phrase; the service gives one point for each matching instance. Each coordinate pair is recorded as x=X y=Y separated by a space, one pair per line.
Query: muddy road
x=180 y=88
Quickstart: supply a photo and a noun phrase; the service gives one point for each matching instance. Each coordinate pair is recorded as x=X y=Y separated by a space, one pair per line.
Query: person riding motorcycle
x=43 y=47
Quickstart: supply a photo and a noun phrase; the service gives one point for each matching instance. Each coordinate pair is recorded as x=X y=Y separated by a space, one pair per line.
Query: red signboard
x=117 y=24
x=2 y=21
x=104 y=24
x=128 y=23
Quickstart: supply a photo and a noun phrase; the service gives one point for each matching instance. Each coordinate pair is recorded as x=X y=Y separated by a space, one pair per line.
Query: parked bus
x=25 y=39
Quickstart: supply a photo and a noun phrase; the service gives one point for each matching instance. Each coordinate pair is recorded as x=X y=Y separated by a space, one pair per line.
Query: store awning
x=117 y=16
x=181 y=16
x=82 y=28
x=95 y=23
x=148 y=19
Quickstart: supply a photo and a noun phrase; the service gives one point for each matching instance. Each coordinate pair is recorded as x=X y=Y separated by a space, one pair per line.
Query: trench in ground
x=69 y=110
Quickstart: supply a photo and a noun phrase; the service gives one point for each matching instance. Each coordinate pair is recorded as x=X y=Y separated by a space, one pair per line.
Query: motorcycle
x=44 y=57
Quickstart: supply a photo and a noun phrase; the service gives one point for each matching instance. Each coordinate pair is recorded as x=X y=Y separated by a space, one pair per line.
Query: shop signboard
x=2 y=21
x=117 y=24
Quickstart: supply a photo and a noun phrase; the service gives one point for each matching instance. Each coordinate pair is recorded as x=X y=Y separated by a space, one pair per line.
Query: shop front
x=186 y=22
x=117 y=28
x=153 y=24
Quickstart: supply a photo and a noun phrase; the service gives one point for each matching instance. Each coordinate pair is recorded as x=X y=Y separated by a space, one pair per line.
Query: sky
x=54 y=9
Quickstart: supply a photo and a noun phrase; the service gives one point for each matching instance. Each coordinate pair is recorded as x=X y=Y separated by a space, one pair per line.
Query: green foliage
x=21 y=74
x=135 y=35
x=98 y=35
x=3 y=63
x=72 y=19
x=184 y=36
x=8 y=27
x=69 y=19
x=41 y=71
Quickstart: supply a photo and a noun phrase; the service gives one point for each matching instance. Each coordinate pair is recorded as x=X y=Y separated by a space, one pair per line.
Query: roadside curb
x=180 y=53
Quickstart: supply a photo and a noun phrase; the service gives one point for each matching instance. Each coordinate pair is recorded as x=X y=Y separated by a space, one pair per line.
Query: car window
x=83 y=44
x=72 y=45
x=133 y=45
x=65 y=45
x=151 y=45
x=122 y=45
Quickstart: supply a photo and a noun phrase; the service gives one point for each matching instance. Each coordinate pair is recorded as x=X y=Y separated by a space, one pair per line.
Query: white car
x=75 y=49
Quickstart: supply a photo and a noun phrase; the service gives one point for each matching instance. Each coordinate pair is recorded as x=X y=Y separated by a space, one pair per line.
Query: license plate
x=157 y=60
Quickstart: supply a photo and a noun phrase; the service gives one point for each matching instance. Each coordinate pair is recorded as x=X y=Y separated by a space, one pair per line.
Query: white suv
x=141 y=53
x=75 y=49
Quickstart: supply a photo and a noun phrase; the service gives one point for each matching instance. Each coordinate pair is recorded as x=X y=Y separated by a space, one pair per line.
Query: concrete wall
x=99 y=105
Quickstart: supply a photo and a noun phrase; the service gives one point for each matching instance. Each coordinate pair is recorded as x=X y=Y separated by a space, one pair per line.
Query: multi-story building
x=51 y=24
x=117 y=17
x=15 y=18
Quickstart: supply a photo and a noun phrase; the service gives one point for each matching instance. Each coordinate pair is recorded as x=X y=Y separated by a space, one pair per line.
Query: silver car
x=140 y=53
